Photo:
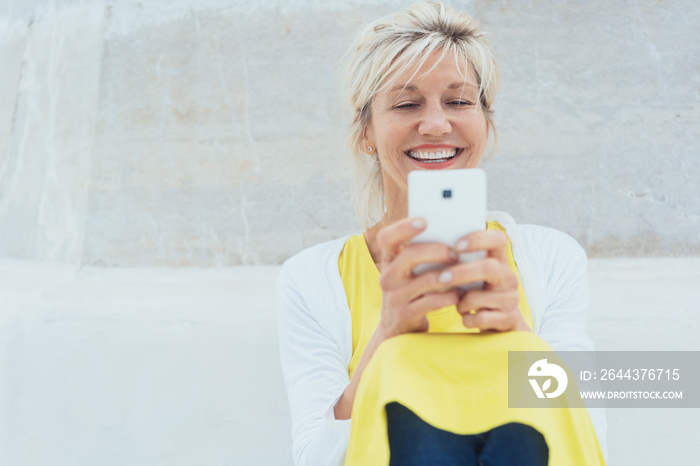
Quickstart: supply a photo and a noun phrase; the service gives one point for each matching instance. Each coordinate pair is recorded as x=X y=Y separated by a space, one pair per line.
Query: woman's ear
x=367 y=142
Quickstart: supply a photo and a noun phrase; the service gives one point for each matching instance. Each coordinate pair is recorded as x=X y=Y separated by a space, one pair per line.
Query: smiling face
x=427 y=119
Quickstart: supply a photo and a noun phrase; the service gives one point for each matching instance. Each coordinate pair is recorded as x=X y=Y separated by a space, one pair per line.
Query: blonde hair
x=394 y=45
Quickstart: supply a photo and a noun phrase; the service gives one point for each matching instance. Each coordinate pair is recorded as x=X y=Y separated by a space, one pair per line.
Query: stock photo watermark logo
x=541 y=369
x=613 y=379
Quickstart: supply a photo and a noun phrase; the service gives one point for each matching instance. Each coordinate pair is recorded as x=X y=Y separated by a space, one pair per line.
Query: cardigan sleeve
x=566 y=302
x=564 y=321
x=314 y=368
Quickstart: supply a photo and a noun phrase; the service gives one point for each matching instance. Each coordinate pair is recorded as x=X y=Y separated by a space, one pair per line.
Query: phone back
x=452 y=202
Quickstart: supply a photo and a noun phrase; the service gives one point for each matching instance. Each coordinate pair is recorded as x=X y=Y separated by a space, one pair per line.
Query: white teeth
x=446 y=154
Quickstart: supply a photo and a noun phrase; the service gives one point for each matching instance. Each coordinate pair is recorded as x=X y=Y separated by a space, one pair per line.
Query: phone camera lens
x=447 y=193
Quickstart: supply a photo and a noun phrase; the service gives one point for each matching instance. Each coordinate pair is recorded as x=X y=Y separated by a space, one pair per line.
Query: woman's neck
x=390 y=217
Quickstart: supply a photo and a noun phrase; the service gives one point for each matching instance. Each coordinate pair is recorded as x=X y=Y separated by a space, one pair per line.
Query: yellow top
x=453 y=381
x=361 y=281
x=459 y=383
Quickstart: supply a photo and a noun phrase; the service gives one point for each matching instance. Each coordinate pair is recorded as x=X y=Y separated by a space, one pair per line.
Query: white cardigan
x=315 y=331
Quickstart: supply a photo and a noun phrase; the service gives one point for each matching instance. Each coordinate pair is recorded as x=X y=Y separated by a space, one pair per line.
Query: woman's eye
x=405 y=105
x=461 y=103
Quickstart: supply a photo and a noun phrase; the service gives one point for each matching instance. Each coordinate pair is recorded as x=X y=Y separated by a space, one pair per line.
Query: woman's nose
x=434 y=121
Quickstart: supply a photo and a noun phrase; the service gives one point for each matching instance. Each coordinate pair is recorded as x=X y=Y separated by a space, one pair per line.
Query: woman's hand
x=406 y=299
x=494 y=308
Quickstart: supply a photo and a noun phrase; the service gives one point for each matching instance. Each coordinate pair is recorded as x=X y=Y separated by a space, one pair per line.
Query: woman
x=349 y=311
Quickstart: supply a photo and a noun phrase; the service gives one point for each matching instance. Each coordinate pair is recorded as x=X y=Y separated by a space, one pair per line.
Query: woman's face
x=426 y=122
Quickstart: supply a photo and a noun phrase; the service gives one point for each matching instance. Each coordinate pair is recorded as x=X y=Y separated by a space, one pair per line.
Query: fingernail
x=462 y=245
x=418 y=223
x=445 y=277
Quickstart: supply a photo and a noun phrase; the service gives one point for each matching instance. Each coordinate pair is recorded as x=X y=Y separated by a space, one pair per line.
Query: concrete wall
x=136 y=133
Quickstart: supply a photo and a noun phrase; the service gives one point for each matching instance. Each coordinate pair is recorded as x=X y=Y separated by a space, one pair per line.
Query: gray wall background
x=169 y=132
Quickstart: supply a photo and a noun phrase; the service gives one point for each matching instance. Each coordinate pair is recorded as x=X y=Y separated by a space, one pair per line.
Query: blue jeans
x=414 y=442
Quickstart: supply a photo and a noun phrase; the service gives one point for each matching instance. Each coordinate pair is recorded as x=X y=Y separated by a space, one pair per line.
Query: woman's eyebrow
x=461 y=84
x=404 y=87
x=413 y=87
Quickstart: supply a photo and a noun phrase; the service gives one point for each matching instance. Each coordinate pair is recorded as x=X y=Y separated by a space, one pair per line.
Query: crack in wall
x=4 y=168
x=49 y=241
x=246 y=101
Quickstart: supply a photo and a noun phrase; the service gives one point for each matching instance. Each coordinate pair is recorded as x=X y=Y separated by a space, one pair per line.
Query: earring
x=369 y=149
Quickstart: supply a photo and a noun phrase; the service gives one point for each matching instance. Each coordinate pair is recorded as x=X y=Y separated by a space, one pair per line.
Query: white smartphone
x=453 y=204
